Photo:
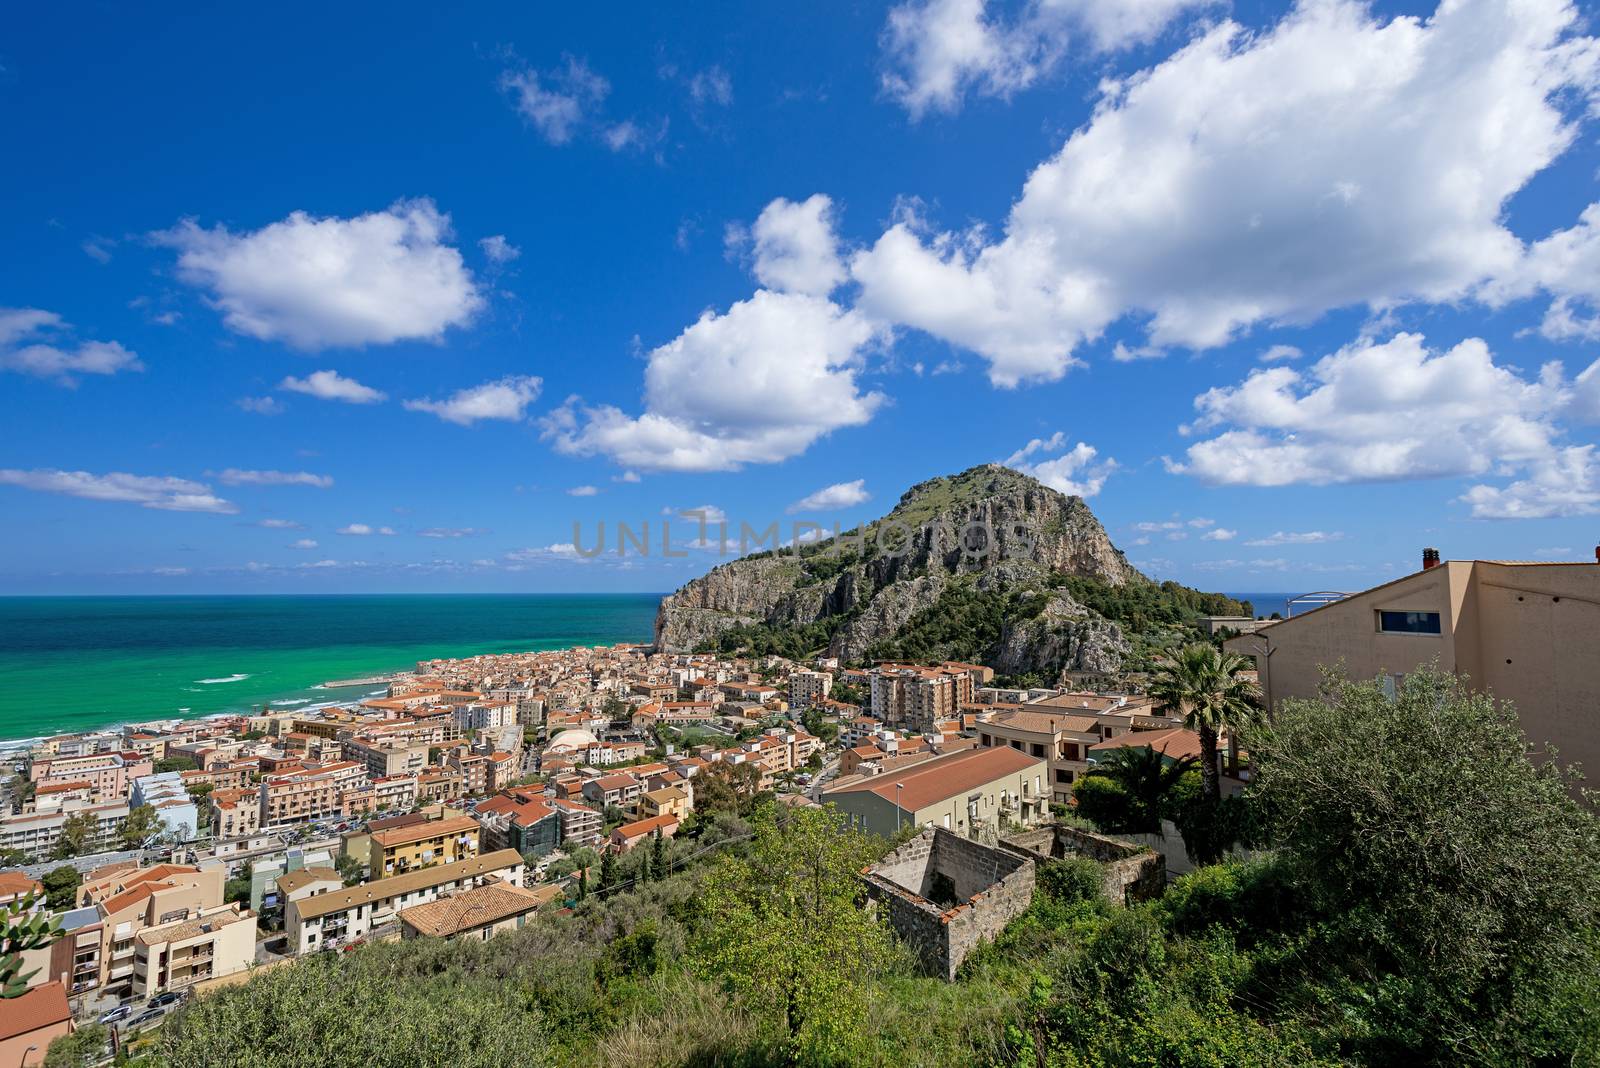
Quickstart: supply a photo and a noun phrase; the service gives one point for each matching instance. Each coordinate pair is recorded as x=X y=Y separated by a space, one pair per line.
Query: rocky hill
x=983 y=565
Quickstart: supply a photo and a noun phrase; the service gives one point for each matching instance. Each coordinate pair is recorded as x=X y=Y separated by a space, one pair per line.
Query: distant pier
x=370 y=680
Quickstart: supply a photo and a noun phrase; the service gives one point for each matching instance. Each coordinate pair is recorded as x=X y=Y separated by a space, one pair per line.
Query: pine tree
x=658 y=856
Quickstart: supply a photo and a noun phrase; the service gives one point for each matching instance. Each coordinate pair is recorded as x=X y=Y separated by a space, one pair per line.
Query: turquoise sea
x=73 y=663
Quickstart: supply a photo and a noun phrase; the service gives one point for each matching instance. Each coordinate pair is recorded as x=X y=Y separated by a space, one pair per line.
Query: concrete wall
x=1528 y=634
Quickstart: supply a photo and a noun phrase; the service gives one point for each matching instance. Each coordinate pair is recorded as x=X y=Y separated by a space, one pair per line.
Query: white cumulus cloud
x=29 y=345
x=362 y=530
x=331 y=385
x=796 y=249
x=506 y=398
x=838 y=495
x=937 y=51
x=1390 y=410
x=233 y=476
x=1337 y=159
x=1077 y=471
x=757 y=384
x=162 y=492
x=317 y=282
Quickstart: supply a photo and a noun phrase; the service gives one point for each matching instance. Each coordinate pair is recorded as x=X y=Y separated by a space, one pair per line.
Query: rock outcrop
x=989 y=529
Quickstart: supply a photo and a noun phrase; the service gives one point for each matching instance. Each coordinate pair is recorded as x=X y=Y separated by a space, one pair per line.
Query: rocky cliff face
x=988 y=531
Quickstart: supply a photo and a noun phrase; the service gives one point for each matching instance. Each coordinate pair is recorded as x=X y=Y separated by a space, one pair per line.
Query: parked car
x=165 y=998
x=145 y=1017
x=113 y=1015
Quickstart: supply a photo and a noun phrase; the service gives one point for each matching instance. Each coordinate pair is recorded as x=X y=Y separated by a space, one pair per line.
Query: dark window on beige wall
x=1409 y=622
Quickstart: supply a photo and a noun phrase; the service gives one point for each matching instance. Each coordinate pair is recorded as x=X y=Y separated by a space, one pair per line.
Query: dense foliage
x=1459 y=884
x=1146 y=606
x=1429 y=898
x=795 y=642
x=964 y=623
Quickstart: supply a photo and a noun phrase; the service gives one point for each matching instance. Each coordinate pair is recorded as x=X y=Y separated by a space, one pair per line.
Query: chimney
x=1430 y=558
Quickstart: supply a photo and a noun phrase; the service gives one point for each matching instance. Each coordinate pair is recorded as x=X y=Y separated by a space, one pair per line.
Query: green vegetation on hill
x=965 y=624
x=1145 y=606
x=1426 y=896
x=796 y=642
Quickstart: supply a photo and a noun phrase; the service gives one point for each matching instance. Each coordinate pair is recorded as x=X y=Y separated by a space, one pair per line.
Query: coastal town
x=480 y=791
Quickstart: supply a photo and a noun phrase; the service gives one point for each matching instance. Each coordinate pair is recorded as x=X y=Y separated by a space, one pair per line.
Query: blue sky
x=1288 y=293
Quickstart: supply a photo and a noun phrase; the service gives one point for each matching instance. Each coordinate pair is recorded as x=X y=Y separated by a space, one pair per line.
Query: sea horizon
x=127 y=658
x=76 y=662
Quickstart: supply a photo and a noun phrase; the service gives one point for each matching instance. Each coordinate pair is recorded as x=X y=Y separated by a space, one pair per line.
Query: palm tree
x=1145 y=776
x=1207 y=687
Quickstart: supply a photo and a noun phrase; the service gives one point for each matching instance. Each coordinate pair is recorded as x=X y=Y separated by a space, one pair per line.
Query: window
x=1409 y=622
x=1062 y=775
x=1038 y=750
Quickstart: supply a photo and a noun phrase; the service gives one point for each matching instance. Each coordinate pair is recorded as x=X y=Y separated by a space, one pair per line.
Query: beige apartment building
x=1063 y=727
x=971 y=793
x=806 y=688
x=1528 y=633
x=906 y=695
x=109 y=775
x=234 y=813
x=132 y=900
x=315 y=793
x=175 y=956
x=354 y=912
x=385 y=758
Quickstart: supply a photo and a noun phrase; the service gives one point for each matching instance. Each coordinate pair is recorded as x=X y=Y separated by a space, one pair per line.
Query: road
x=828 y=769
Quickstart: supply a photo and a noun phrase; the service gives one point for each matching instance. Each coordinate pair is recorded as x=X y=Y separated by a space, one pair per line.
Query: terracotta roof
x=378 y=890
x=418 y=832
x=1176 y=742
x=43 y=1006
x=649 y=826
x=16 y=883
x=1045 y=723
x=129 y=898
x=290 y=881
x=942 y=778
x=475 y=908
x=208 y=924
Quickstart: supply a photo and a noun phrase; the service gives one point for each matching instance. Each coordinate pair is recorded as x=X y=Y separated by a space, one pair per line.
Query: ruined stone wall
x=992 y=887
x=1132 y=873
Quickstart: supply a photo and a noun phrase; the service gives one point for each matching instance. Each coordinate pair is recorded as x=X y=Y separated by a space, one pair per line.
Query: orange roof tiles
x=931 y=781
x=43 y=1006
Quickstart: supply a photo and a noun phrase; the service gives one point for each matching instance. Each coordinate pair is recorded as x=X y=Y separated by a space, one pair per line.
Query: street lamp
x=899 y=813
